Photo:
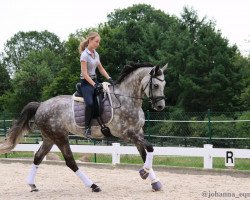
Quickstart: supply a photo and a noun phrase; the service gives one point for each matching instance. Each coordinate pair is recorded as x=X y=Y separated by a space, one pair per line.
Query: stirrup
x=106 y=131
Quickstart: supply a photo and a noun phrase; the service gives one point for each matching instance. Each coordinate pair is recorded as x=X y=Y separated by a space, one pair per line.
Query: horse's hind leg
x=40 y=154
x=63 y=145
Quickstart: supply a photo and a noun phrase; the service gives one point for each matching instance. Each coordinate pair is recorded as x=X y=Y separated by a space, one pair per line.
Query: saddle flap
x=78 y=107
x=78 y=88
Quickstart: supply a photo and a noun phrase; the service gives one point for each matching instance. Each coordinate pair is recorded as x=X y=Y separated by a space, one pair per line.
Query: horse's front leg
x=146 y=151
x=147 y=170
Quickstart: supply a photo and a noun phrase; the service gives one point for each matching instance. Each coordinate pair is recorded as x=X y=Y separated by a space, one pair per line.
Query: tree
x=244 y=64
x=243 y=127
x=5 y=79
x=201 y=73
x=204 y=70
x=204 y=74
x=4 y=84
x=138 y=13
x=134 y=34
x=37 y=71
x=69 y=74
x=22 y=43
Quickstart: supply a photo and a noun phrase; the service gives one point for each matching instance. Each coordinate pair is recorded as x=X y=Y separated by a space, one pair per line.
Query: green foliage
x=246 y=97
x=22 y=43
x=134 y=34
x=204 y=75
x=177 y=161
x=69 y=74
x=196 y=124
x=137 y=13
x=204 y=72
x=223 y=129
x=63 y=84
x=33 y=59
x=242 y=128
x=5 y=79
x=244 y=64
x=37 y=71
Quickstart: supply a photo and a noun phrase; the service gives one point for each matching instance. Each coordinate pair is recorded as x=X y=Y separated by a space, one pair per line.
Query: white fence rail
x=208 y=152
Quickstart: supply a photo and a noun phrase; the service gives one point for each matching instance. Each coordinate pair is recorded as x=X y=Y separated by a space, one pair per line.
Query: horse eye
x=156 y=85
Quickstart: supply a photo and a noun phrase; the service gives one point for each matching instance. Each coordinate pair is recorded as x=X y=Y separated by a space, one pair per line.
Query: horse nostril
x=159 y=107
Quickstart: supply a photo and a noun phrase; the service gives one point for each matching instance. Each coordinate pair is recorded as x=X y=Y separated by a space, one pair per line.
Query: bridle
x=153 y=99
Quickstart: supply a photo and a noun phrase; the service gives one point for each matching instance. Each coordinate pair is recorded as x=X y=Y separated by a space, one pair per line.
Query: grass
x=17 y=155
x=197 y=162
x=36 y=139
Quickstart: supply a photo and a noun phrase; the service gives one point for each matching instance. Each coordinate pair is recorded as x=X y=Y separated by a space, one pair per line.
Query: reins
x=116 y=96
x=151 y=98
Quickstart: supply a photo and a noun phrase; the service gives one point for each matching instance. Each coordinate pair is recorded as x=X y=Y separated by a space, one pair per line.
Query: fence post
x=208 y=159
x=116 y=153
x=209 y=126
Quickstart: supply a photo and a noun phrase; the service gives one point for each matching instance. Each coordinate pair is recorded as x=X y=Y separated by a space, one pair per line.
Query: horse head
x=153 y=86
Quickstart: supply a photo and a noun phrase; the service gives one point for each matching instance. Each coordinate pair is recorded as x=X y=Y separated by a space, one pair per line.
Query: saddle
x=103 y=112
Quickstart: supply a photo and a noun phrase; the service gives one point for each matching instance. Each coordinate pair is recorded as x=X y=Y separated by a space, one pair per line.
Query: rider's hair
x=83 y=44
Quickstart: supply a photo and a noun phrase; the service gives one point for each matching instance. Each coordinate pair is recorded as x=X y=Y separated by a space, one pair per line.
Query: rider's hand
x=111 y=81
x=98 y=88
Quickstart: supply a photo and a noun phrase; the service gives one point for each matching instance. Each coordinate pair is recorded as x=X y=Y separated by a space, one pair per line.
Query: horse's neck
x=131 y=86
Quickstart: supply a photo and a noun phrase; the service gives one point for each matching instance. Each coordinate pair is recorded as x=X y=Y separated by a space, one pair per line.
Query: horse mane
x=128 y=69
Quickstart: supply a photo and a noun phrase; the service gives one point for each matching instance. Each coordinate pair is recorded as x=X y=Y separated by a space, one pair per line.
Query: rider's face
x=94 y=43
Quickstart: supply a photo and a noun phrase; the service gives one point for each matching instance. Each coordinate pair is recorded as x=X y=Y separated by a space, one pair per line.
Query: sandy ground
x=58 y=182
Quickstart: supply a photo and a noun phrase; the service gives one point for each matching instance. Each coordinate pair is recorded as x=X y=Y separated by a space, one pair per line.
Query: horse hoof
x=95 y=188
x=143 y=174
x=33 y=188
x=156 y=186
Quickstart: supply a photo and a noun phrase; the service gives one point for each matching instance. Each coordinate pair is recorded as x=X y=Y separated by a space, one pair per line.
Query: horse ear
x=156 y=71
x=152 y=72
x=165 y=67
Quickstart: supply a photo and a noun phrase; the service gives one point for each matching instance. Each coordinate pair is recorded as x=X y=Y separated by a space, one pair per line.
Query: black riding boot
x=88 y=118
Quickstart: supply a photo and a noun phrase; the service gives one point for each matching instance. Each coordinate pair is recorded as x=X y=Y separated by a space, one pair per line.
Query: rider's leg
x=88 y=95
x=88 y=118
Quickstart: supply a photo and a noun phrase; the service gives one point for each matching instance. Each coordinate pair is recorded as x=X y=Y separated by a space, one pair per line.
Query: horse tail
x=19 y=127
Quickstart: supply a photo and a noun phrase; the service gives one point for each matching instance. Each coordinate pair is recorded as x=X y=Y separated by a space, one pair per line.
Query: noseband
x=153 y=99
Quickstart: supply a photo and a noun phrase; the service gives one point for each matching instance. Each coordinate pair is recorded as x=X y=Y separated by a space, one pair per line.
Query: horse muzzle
x=158 y=103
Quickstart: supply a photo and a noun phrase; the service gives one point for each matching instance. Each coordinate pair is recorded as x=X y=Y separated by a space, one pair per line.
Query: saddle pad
x=79 y=112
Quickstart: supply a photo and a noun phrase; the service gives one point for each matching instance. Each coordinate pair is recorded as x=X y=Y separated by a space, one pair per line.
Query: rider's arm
x=103 y=71
x=85 y=73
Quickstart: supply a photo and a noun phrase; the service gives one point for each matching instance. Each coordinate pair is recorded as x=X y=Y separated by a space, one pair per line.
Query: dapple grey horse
x=55 y=119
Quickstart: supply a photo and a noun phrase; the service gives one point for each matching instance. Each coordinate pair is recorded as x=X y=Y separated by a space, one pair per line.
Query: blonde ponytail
x=83 y=44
